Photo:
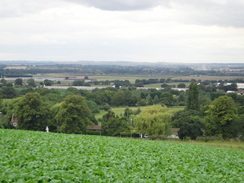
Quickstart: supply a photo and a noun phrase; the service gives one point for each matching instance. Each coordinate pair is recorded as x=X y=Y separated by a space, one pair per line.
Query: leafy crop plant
x=28 y=156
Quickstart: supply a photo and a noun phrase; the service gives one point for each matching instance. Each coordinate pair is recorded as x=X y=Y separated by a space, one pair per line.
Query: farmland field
x=47 y=157
x=120 y=110
x=217 y=78
x=131 y=78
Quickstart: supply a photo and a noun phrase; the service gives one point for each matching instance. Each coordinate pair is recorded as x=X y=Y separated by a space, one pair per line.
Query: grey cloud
x=205 y=12
x=122 y=5
x=211 y=12
x=16 y=8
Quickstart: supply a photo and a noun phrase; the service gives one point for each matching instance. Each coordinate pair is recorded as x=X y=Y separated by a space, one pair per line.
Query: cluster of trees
x=72 y=110
x=32 y=112
x=223 y=117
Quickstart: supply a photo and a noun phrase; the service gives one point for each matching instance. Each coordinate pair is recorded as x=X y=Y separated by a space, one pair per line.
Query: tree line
x=152 y=70
x=71 y=111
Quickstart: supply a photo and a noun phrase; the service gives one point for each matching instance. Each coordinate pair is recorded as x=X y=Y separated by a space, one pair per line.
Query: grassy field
x=131 y=78
x=208 y=77
x=120 y=110
x=158 y=85
x=28 y=156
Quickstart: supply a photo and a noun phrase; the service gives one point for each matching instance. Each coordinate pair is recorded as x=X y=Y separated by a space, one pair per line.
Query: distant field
x=131 y=78
x=28 y=156
x=158 y=85
x=208 y=77
x=120 y=110
x=16 y=67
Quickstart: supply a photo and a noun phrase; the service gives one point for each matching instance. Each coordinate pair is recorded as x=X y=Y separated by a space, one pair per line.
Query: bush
x=187 y=138
x=105 y=107
x=6 y=125
x=91 y=132
x=158 y=137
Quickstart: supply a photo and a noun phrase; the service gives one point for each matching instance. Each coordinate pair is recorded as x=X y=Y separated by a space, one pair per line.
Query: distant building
x=97 y=128
x=239 y=85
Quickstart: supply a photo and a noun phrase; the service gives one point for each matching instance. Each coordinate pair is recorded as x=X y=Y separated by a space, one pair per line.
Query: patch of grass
x=208 y=77
x=120 y=110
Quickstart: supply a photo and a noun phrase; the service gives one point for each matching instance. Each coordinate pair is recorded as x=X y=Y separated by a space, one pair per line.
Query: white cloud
x=188 y=31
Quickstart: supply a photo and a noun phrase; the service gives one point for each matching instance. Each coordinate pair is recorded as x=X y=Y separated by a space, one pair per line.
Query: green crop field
x=28 y=156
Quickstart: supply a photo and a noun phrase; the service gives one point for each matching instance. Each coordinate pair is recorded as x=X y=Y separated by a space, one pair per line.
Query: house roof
x=94 y=127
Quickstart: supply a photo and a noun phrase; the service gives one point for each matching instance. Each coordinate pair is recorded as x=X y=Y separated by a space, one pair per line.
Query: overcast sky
x=208 y=31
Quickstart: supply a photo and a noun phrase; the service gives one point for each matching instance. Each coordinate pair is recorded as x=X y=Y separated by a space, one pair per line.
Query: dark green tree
x=149 y=100
x=190 y=126
x=181 y=85
x=189 y=123
x=237 y=127
x=79 y=83
x=8 y=92
x=31 y=82
x=74 y=115
x=31 y=112
x=156 y=100
x=127 y=112
x=192 y=99
x=220 y=116
x=167 y=99
x=3 y=82
x=47 y=82
x=118 y=98
x=113 y=125
x=18 y=82
x=182 y=99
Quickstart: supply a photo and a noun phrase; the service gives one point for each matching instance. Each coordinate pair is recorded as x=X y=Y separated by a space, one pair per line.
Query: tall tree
x=189 y=123
x=48 y=82
x=31 y=112
x=156 y=100
x=31 y=82
x=78 y=83
x=220 y=117
x=149 y=100
x=118 y=98
x=18 y=82
x=113 y=125
x=181 y=85
x=3 y=82
x=192 y=100
x=192 y=127
x=167 y=99
x=8 y=92
x=74 y=114
x=153 y=120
